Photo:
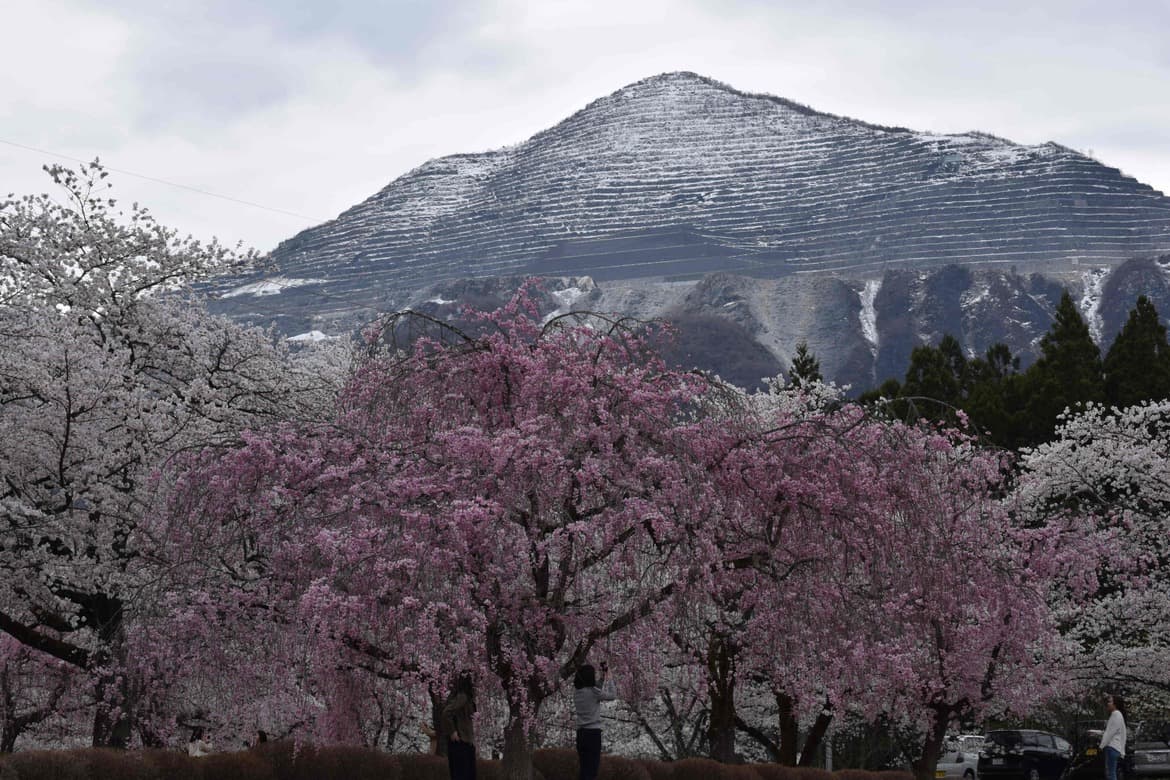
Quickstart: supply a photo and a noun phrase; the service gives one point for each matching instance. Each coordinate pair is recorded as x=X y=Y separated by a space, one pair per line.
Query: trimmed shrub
x=706 y=769
x=865 y=774
x=424 y=766
x=809 y=773
x=620 y=768
x=171 y=764
x=108 y=764
x=278 y=755
x=288 y=761
x=743 y=772
x=557 y=763
x=658 y=770
x=80 y=764
x=773 y=772
x=488 y=769
x=354 y=763
x=242 y=765
x=491 y=769
x=856 y=774
x=894 y=774
x=45 y=765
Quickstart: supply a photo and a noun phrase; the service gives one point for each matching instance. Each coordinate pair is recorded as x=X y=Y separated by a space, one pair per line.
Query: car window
x=973 y=743
x=1005 y=738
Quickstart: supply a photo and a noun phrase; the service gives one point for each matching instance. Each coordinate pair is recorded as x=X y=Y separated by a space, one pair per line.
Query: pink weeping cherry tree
x=874 y=568
x=963 y=583
x=509 y=500
x=501 y=503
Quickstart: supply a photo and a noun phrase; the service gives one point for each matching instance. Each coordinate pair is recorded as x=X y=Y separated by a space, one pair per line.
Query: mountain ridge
x=678 y=176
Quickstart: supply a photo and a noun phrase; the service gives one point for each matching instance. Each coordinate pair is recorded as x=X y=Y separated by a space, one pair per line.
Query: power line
x=124 y=172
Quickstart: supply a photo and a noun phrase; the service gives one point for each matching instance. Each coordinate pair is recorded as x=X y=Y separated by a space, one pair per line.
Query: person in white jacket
x=199 y=745
x=1113 y=739
x=587 y=699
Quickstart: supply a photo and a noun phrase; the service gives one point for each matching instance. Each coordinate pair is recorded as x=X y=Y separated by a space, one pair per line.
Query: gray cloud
x=311 y=106
x=396 y=34
x=206 y=90
x=192 y=62
x=393 y=32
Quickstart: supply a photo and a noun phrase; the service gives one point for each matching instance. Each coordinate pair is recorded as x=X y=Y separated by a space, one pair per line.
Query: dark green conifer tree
x=1068 y=373
x=806 y=369
x=1137 y=367
x=936 y=379
x=995 y=401
x=884 y=399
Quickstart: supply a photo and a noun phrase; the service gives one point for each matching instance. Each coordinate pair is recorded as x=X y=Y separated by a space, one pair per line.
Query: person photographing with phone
x=590 y=690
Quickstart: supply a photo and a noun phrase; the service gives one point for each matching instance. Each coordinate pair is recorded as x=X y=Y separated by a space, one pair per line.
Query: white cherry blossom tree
x=1114 y=466
x=109 y=367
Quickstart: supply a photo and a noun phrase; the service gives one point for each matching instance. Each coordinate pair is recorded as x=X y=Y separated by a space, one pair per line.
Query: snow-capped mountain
x=654 y=187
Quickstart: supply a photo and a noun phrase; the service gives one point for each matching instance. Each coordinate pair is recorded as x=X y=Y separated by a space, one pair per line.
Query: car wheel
x=1033 y=774
x=969 y=775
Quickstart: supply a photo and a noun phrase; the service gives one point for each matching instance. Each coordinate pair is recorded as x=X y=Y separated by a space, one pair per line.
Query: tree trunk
x=721 y=694
x=925 y=764
x=437 y=720
x=113 y=715
x=815 y=735
x=8 y=735
x=517 y=739
x=8 y=718
x=517 y=748
x=789 y=729
x=111 y=718
x=149 y=735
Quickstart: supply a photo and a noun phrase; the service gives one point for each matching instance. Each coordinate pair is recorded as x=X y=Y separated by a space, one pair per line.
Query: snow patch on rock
x=868 y=313
x=570 y=294
x=273 y=286
x=312 y=336
x=1094 y=281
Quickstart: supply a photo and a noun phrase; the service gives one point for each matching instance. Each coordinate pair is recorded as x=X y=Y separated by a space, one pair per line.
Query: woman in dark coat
x=457 y=723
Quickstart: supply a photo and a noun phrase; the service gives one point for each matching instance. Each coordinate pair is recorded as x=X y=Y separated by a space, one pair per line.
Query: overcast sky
x=310 y=107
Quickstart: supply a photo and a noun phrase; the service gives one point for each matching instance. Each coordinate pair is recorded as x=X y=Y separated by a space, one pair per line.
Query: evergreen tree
x=1068 y=374
x=885 y=399
x=806 y=369
x=995 y=400
x=936 y=379
x=956 y=361
x=996 y=365
x=1137 y=367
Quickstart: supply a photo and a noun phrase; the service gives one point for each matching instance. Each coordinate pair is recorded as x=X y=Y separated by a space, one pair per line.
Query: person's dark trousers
x=461 y=760
x=589 y=753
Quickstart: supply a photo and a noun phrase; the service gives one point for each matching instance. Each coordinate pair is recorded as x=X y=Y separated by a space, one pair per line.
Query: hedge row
x=281 y=761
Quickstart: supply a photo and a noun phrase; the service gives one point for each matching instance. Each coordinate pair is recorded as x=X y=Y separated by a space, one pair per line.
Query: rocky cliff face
x=763 y=219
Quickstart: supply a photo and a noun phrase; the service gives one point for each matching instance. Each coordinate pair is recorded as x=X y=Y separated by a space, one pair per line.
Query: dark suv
x=1023 y=754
